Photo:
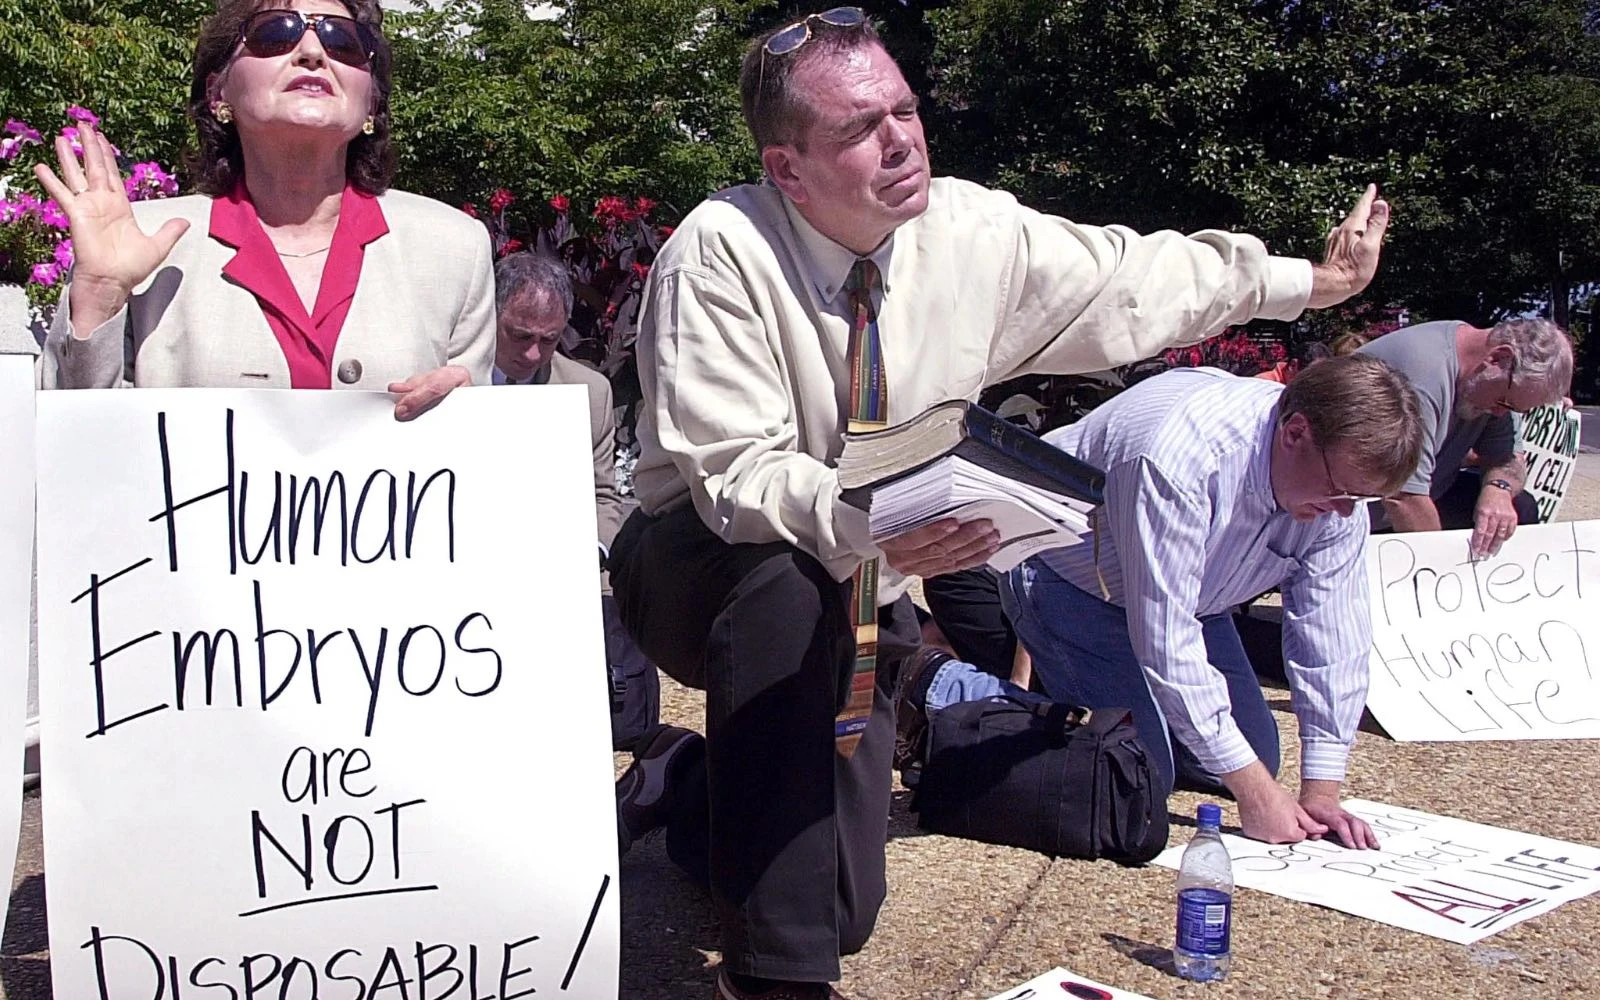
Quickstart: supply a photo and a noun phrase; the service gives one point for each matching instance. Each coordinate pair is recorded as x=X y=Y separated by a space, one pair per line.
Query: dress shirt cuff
x=1227 y=751
x=1288 y=288
x=852 y=529
x=1323 y=760
x=92 y=362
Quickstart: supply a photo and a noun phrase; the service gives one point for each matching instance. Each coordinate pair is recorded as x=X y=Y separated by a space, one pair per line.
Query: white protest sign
x=1504 y=648
x=1059 y=984
x=16 y=589
x=323 y=697
x=1432 y=874
x=1548 y=443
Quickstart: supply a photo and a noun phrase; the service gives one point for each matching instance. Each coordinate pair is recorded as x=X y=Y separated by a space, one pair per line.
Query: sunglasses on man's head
x=797 y=34
x=274 y=32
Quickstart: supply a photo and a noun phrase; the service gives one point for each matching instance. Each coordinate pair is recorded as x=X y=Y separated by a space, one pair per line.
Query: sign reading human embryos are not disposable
x=322 y=712
x=1503 y=648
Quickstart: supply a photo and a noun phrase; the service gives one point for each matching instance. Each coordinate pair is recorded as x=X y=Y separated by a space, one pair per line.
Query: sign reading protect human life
x=1503 y=648
x=1432 y=874
x=322 y=711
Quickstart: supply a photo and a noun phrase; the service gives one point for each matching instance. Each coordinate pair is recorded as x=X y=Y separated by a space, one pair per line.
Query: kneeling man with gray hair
x=1469 y=382
x=1218 y=488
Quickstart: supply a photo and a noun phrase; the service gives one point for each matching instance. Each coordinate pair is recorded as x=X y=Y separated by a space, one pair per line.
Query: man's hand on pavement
x=1320 y=800
x=1494 y=521
x=941 y=547
x=1266 y=811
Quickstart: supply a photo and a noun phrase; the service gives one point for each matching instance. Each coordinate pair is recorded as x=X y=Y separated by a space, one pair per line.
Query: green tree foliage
x=127 y=60
x=627 y=97
x=623 y=97
x=1478 y=118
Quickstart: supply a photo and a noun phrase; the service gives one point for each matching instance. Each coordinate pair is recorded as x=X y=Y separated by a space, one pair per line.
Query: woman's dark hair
x=218 y=164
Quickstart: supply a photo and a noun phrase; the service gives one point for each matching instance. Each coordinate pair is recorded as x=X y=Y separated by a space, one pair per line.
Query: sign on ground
x=1435 y=875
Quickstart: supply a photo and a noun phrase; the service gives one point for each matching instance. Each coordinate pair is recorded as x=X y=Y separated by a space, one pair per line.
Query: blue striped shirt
x=1191 y=529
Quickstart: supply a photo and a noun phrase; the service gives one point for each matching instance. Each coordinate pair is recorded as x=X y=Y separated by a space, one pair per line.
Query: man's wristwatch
x=1501 y=483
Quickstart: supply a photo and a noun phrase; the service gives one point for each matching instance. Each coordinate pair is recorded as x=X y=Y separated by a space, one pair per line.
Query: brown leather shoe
x=793 y=991
x=910 y=715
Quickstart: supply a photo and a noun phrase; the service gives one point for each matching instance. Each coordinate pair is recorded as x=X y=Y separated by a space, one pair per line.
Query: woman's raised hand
x=111 y=253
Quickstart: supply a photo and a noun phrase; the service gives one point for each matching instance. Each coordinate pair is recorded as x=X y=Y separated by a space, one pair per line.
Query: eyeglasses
x=797 y=34
x=1334 y=492
x=274 y=32
x=1504 y=402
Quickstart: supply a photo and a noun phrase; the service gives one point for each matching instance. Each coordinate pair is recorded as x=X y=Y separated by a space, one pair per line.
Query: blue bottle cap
x=1209 y=816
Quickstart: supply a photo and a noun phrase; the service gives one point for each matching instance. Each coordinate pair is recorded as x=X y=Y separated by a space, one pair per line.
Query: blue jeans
x=1082 y=656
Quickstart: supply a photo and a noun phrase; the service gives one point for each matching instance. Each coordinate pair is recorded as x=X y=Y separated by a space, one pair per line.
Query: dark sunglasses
x=797 y=34
x=273 y=32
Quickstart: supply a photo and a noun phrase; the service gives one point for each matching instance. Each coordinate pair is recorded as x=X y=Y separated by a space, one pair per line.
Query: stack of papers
x=1028 y=519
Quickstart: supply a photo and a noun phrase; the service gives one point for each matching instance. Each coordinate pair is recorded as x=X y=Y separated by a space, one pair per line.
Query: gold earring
x=368 y=127
x=222 y=111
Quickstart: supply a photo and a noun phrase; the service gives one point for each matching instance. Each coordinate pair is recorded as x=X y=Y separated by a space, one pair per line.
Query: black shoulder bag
x=1067 y=781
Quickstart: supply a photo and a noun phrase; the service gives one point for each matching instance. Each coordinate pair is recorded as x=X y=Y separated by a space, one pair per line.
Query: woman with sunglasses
x=295 y=267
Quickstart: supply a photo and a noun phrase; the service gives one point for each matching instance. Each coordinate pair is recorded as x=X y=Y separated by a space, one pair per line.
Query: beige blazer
x=608 y=507
x=425 y=299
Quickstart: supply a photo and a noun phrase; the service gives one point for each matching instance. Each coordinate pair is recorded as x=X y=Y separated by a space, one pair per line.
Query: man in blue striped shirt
x=1218 y=488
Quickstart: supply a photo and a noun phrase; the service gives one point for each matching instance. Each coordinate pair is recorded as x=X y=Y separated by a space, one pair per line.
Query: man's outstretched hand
x=1351 y=257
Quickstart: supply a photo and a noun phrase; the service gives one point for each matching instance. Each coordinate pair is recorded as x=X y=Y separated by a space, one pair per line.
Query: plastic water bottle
x=1205 y=902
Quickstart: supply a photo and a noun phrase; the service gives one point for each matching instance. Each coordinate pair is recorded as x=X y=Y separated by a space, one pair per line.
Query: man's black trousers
x=788 y=834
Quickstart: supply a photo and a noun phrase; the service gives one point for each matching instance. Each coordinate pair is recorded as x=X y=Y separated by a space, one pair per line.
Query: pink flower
x=560 y=203
x=511 y=247
x=665 y=231
x=81 y=114
x=23 y=131
x=51 y=215
x=501 y=200
x=642 y=207
x=45 y=274
x=148 y=180
x=64 y=255
x=9 y=148
x=470 y=209
x=641 y=271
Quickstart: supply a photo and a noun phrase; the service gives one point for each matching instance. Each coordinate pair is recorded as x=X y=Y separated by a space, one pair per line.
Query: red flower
x=611 y=210
x=470 y=209
x=560 y=203
x=642 y=207
x=501 y=200
x=640 y=270
x=511 y=247
x=1196 y=359
x=665 y=231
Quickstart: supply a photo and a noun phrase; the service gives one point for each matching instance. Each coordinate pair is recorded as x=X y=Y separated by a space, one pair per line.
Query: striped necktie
x=869 y=410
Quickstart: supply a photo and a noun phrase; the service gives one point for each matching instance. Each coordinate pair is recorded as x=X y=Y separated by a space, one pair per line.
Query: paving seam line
x=1007 y=921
